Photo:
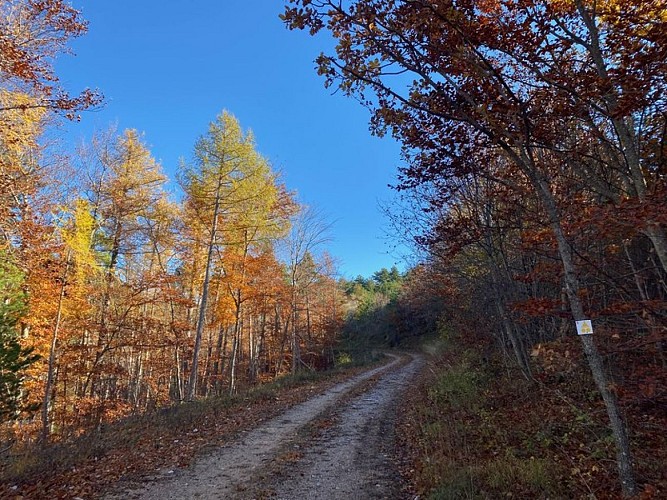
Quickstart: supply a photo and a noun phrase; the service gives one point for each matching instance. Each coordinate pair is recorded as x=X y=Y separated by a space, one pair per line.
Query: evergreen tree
x=14 y=359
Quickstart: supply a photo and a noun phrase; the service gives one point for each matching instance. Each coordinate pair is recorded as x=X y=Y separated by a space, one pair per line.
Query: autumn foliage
x=118 y=300
x=533 y=133
x=114 y=293
x=535 y=183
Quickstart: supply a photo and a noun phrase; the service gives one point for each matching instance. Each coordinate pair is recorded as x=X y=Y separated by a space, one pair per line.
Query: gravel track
x=348 y=457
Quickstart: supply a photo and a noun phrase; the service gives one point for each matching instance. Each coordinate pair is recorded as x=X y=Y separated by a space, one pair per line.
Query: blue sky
x=167 y=68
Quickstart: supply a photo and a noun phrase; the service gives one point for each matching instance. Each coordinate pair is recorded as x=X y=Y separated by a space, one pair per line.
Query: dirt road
x=337 y=445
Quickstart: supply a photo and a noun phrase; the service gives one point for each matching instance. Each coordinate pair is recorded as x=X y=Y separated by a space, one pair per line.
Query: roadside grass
x=160 y=431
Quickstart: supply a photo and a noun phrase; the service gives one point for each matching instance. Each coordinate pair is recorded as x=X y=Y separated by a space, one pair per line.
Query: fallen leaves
x=135 y=450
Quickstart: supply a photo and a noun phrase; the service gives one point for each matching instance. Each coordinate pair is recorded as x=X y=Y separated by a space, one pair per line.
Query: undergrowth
x=475 y=428
x=359 y=350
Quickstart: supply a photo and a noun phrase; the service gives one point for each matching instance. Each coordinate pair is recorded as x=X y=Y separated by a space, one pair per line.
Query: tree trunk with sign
x=572 y=288
x=485 y=86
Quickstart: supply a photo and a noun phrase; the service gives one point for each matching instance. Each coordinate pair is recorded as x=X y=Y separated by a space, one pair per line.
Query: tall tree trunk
x=572 y=287
x=500 y=277
x=207 y=363
x=517 y=345
x=212 y=355
x=252 y=359
x=232 y=363
x=281 y=333
x=52 y=354
x=309 y=332
x=217 y=354
x=178 y=378
x=192 y=384
x=260 y=347
x=296 y=346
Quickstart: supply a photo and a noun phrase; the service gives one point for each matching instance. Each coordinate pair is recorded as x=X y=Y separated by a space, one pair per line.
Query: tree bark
x=52 y=354
x=192 y=383
x=572 y=286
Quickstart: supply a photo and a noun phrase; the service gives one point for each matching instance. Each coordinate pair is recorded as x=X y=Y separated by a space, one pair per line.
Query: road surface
x=337 y=445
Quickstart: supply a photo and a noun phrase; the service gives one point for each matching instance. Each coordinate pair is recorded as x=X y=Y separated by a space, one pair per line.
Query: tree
x=14 y=358
x=233 y=195
x=79 y=257
x=32 y=34
x=309 y=231
x=126 y=193
x=20 y=172
x=458 y=82
x=259 y=216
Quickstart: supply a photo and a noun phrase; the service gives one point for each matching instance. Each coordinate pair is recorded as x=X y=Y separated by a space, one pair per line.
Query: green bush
x=457 y=387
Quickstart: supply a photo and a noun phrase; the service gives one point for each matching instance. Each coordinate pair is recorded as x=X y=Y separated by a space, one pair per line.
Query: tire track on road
x=223 y=472
x=353 y=459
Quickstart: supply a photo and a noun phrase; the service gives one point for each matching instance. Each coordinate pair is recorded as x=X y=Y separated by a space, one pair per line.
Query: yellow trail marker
x=584 y=327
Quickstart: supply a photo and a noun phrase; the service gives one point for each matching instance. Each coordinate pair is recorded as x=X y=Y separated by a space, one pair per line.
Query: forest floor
x=332 y=438
x=473 y=427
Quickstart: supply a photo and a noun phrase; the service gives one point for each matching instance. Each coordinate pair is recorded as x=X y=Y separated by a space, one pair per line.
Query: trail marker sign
x=584 y=327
